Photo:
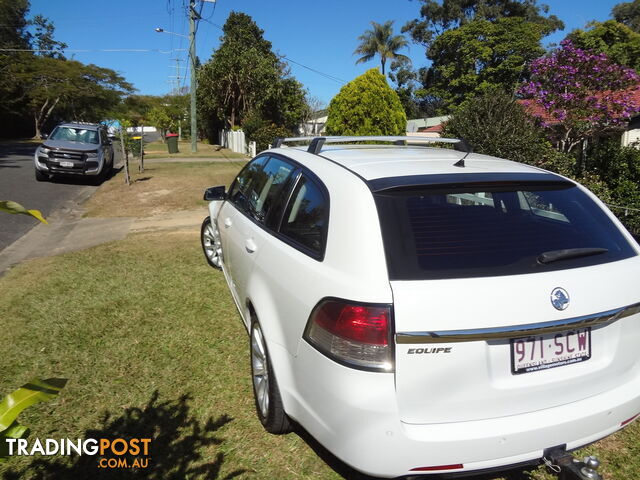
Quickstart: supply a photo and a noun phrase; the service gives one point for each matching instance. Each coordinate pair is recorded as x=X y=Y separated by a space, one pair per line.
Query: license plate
x=66 y=164
x=541 y=352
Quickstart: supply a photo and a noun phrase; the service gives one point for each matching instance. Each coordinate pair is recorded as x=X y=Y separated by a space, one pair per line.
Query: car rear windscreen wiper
x=555 y=255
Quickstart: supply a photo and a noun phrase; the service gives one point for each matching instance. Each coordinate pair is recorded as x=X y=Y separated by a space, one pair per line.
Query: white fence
x=235 y=141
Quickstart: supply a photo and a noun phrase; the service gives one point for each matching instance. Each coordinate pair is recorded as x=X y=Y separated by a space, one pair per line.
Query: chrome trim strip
x=514 y=331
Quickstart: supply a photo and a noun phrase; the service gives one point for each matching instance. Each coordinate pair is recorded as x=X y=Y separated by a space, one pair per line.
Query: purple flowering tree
x=578 y=94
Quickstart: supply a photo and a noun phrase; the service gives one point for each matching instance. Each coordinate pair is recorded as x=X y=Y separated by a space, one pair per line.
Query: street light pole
x=193 y=16
x=193 y=86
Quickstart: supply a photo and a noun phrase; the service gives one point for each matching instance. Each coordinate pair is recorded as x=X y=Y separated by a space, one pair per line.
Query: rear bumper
x=355 y=416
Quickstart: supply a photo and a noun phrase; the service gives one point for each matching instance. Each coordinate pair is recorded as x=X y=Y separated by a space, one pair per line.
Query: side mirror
x=215 y=193
x=44 y=136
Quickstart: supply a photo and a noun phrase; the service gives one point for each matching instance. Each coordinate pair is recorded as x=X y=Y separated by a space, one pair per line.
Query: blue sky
x=318 y=35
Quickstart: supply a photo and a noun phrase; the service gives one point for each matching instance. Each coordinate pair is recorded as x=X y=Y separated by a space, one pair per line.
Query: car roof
x=376 y=161
x=376 y=164
x=86 y=126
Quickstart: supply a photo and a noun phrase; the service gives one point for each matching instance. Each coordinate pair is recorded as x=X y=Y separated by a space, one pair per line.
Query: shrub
x=619 y=168
x=495 y=124
x=366 y=106
x=264 y=133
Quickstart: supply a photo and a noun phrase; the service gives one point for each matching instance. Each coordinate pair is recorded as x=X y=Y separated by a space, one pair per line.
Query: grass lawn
x=149 y=338
x=151 y=343
x=162 y=187
x=159 y=150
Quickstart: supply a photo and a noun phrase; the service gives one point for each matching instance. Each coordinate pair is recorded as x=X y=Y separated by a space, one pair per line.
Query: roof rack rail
x=316 y=143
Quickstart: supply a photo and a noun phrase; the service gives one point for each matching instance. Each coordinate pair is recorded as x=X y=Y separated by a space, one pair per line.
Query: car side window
x=259 y=186
x=245 y=188
x=277 y=172
x=306 y=216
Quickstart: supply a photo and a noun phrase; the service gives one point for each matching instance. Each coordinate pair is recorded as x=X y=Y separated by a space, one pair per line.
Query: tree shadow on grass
x=177 y=438
x=349 y=473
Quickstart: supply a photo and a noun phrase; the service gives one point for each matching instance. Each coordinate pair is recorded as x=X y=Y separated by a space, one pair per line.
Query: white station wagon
x=425 y=310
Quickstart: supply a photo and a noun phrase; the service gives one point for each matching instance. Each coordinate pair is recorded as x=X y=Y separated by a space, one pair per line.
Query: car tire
x=210 y=241
x=108 y=171
x=265 y=387
x=41 y=176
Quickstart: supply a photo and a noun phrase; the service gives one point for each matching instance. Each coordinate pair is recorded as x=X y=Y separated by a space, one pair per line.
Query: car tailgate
x=454 y=361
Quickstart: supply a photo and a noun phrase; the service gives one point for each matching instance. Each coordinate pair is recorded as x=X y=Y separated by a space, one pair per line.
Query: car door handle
x=250 y=245
x=227 y=222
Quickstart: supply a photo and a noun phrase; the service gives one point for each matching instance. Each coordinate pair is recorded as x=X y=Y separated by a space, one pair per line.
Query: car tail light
x=354 y=334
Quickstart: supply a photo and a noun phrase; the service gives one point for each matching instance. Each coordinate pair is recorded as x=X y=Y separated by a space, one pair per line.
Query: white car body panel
x=465 y=406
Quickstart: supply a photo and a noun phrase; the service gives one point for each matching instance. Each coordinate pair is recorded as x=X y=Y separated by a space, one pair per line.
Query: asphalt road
x=18 y=183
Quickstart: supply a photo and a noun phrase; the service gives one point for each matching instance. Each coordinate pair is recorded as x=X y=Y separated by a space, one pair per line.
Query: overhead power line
x=284 y=57
x=74 y=50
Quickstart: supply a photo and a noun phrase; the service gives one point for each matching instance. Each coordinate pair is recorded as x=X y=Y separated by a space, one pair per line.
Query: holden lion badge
x=559 y=298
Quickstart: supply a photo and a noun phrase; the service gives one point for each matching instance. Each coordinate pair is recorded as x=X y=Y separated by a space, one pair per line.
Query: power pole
x=193 y=15
x=175 y=82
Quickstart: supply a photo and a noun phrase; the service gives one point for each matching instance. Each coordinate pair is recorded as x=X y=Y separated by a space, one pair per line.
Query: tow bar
x=567 y=467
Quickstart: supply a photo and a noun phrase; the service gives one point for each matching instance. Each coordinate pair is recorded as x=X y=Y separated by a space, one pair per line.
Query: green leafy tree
x=72 y=89
x=380 y=41
x=34 y=89
x=13 y=35
x=366 y=106
x=407 y=87
x=437 y=17
x=245 y=78
x=619 y=42
x=628 y=13
x=43 y=40
x=494 y=123
x=619 y=169
x=481 y=55
x=241 y=70
x=160 y=118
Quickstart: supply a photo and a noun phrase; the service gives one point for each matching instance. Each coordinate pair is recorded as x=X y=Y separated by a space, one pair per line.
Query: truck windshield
x=454 y=231
x=71 y=134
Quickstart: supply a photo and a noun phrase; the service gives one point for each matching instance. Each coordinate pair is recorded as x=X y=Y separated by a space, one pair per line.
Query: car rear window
x=470 y=230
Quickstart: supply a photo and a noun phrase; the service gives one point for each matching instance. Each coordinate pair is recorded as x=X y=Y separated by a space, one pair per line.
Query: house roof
x=434 y=128
x=534 y=108
x=416 y=124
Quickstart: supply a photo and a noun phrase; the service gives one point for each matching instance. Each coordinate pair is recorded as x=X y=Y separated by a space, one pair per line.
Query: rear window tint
x=458 y=231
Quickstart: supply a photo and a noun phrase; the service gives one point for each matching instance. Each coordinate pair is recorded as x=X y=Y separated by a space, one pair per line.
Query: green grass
x=162 y=187
x=159 y=150
x=123 y=321
x=152 y=345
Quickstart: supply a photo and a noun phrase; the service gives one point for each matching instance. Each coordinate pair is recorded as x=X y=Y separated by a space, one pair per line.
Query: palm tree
x=381 y=41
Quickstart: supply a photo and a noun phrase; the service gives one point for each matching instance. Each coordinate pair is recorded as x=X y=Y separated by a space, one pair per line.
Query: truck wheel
x=41 y=176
